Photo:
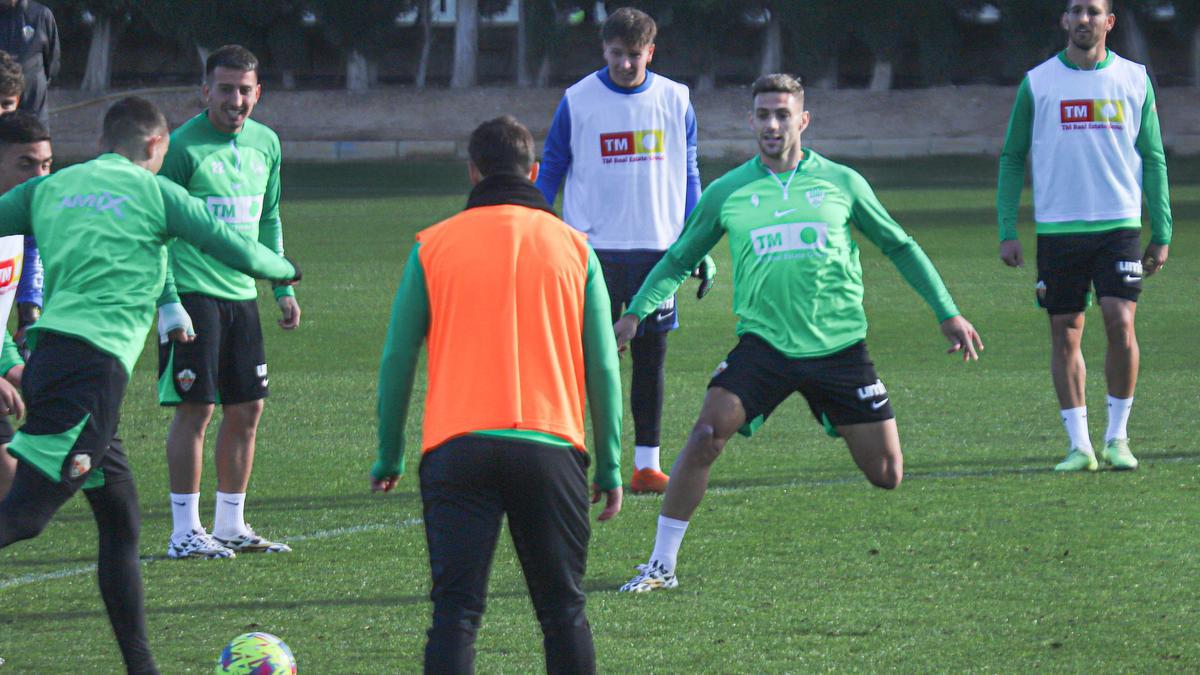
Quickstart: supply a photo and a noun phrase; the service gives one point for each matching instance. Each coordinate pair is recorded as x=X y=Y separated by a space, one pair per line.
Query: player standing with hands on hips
x=1089 y=120
x=624 y=139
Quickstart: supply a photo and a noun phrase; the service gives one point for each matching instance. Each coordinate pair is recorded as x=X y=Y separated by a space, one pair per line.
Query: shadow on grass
x=289 y=503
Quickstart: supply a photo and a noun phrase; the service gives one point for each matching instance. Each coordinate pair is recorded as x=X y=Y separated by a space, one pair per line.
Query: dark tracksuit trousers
x=468 y=484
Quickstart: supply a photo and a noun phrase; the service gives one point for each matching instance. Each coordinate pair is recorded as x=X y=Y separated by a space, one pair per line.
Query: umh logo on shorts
x=1092 y=114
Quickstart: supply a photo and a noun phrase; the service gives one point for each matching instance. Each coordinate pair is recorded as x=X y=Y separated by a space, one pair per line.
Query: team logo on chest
x=632 y=146
x=796 y=240
x=816 y=197
x=1091 y=114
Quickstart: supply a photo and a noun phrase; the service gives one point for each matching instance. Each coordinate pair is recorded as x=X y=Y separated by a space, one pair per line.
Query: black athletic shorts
x=624 y=272
x=73 y=395
x=225 y=364
x=841 y=388
x=1070 y=264
x=6 y=430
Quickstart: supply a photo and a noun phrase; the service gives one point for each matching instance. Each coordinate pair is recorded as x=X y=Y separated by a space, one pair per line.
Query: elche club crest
x=815 y=197
x=185 y=379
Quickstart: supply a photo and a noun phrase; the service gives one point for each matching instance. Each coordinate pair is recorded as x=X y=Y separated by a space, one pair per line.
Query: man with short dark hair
x=798 y=295
x=28 y=33
x=12 y=83
x=513 y=307
x=232 y=162
x=24 y=154
x=1088 y=120
x=103 y=226
x=624 y=140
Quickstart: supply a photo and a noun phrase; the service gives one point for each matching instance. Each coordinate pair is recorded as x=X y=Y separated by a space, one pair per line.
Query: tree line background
x=359 y=44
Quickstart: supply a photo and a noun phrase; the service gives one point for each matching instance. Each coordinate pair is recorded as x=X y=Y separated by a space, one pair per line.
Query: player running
x=1088 y=117
x=232 y=162
x=625 y=140
x=797 y=292
x=103 y=226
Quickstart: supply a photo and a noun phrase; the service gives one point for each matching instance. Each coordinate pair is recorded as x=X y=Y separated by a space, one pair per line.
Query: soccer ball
x=256 y=654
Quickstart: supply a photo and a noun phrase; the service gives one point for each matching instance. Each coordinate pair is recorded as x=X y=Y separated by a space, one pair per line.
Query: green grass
x=982 y=561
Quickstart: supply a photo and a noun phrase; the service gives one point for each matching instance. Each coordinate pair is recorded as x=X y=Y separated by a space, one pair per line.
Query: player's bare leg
x=185 y=461
x=8 y=468
x=1121 y=361
x=1069 y=374
x=875 y=447
x=721 y=415
x=235 y=460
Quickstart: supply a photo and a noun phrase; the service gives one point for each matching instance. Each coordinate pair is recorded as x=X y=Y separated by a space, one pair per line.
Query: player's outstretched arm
x=962 y=337
x=189 y=219
x=625 y=329
x=603 y=378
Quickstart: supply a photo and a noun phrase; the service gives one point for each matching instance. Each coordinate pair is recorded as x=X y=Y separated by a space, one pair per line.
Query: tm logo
x=790 y=237
x=1098 y=110
x=236 y=210
x=102 y=202
x=624 y=143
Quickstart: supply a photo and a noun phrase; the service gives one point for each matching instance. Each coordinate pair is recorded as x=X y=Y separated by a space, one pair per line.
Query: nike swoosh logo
x=178 y=503
x=229 y=502
x=1131 y=279
x=876 y=405
x=780 y=214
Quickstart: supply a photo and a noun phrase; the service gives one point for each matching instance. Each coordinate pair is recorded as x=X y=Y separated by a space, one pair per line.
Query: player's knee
x=244 y=415
x=193 y=417
x=704 y=445
x=888 y=476
x=14 y=528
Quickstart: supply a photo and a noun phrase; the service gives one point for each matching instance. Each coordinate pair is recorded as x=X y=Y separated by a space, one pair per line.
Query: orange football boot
x=649 y=480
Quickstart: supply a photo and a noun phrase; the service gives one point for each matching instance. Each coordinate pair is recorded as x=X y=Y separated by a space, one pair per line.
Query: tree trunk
x=466 y=44
x=358 y=76
x=881 y=75
x=425 y=10
x=1196 y=56
x=545 y=70
x=829 y=80
x=523 y=79
x=288 y=80
x=98 y=75
x=772 y=53
x=203 y=52
x=1134 y=43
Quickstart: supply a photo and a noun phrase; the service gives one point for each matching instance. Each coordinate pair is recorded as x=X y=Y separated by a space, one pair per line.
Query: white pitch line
x=28 y=579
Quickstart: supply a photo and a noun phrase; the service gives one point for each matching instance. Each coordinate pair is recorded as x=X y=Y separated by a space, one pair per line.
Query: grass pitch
x=983 y=560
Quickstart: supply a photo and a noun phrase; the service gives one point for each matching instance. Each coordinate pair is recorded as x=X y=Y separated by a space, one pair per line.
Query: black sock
x=646 y=391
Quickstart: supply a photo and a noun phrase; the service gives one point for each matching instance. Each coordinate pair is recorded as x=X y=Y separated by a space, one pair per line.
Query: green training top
x=102 y=229
x=797 y=281
x=406 y=332
x=237 y=176
x=1019 y=140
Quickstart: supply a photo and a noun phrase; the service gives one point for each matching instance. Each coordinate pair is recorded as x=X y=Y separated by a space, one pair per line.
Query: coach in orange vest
x=513 y=305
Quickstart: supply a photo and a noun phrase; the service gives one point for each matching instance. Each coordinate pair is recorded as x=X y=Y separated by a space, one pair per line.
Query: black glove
x=706 y=272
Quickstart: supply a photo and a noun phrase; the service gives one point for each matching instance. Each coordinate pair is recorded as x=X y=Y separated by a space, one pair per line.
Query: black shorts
x=624 y=272
x=841 y=388
x=225 y=364
x=1070 y=264
x=73 y=395
x=6 y=430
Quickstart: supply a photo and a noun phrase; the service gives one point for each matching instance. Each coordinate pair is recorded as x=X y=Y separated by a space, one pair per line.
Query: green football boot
x=1078 y=461
x=1117 y=455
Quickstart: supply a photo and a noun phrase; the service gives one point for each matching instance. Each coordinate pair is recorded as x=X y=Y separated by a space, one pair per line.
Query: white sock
x=185 y=514
x=229 y=519
x=646 y=457
x=1075 y=420
x=667 y=541
x=1118 y=418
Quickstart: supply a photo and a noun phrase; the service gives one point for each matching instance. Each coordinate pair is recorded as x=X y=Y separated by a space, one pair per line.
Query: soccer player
x=29 y=286
x=1088 y=117
x=512 y=304
x=104 y=226
x=232 y=162
x=24 y=153
x=29 y=33
x=624 y=138
x=797 y=292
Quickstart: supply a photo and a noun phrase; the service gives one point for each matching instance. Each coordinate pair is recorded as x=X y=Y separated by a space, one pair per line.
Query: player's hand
x=15 y=374
x=1010 y=253
x=294 y=280
x=612 y=501
x=384 y=484
x=1154 y=259
x=11 y=403
x=290 y=310
x=174 y=324
x=706 y=272
x=625 y=329
x=963 y=338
